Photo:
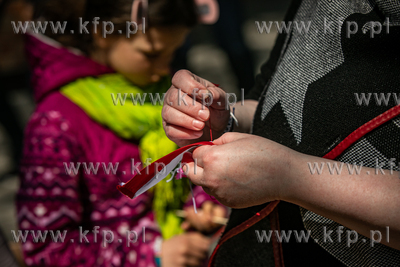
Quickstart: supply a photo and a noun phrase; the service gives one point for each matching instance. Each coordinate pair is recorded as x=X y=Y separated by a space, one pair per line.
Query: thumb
x=229 y=138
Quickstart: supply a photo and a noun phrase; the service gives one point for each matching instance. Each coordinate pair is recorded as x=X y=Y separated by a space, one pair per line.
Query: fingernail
x=198 y=124
x=204 y=114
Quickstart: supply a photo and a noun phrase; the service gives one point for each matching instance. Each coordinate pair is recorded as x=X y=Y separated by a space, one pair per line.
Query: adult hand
x=203 y=220
x=189 y=104
x=242 y=170
x=189 y=249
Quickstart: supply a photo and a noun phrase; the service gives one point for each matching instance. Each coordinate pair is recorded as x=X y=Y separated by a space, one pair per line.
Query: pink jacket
x=50 y=199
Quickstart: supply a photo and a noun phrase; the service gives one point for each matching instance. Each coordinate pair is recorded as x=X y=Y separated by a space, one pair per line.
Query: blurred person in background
x=226 y=32
x=76 y=121
x=16 y=104
x=14 y=79
x=7 y=258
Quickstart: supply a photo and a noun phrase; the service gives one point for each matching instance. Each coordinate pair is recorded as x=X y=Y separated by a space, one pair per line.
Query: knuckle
x=195 y=153
x=167 y=98
x=165 y=113
x=211 y=157
x=168 y=131
x=230 y=136
x=172 y=96
x=176 y=77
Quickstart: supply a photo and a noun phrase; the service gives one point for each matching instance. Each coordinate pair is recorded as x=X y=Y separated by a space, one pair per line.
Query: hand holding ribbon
x=188 y=104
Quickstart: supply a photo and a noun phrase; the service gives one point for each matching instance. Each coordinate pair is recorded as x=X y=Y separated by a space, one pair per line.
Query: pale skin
x=145 y=59
x=243 y=170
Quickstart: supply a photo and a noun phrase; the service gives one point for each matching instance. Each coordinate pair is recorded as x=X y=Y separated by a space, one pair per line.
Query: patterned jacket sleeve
x=51 y=202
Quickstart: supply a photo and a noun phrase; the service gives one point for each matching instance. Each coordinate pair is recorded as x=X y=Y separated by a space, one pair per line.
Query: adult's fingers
x=203 y=154
x=229 y=138
x=176 y=133
x=178 y=100
x=187 y=81
x=194 y=173
x=176 y=117
x=200 y=89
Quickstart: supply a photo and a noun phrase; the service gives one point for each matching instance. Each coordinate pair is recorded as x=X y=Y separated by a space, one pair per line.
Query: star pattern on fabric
x=312 y=54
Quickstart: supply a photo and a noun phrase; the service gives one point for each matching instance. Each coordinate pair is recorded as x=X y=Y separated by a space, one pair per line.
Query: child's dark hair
x=161 y=13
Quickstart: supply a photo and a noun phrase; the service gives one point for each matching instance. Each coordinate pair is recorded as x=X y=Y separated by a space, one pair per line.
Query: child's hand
x=190 y=249
x=204 y=221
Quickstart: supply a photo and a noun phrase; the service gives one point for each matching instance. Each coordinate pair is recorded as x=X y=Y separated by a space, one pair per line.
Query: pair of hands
x=191 y=249
x=241 y=170
x=184 y=126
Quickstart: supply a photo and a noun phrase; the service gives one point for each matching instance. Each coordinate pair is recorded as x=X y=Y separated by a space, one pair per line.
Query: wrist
x=245 y=114
x=291 y=175
x=295 y=177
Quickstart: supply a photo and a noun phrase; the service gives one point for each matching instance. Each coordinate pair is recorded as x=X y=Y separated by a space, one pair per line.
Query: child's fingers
x=200 y=242
x=194 y=261
x=186 y=225
x=218 y=211
x=207 y=209
x=193 y=220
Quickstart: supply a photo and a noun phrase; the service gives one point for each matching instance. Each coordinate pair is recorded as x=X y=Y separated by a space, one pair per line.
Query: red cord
x=210 y=128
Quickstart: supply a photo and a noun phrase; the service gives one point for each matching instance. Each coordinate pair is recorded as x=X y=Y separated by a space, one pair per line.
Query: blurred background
x=228 y=53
